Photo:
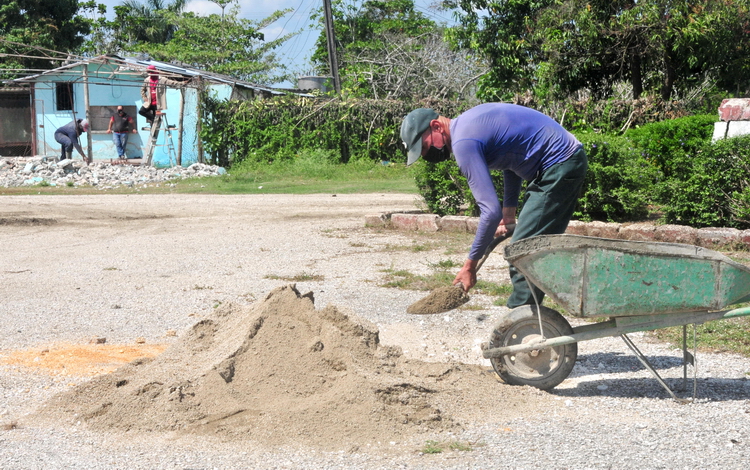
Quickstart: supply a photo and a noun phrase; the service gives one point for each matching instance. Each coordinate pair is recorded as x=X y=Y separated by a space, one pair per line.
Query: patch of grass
x=197 y=287
x=301 y=277
x=461 y=446
x=407 y=280
x=415 y=247
x=721 y=335
x=432 y=447
x=436 y=447
x=493 y=288
x=444 y=264
x=112 y=268
x=308 y=176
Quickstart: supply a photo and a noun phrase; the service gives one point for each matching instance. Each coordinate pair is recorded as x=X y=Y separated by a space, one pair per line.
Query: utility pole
x=331 y=40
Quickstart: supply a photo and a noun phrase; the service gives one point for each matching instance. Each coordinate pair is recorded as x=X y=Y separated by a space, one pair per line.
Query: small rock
x=140 y=340
x=97 y=340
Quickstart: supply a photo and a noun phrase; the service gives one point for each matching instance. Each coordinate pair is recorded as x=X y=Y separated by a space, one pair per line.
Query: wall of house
x=117 y=89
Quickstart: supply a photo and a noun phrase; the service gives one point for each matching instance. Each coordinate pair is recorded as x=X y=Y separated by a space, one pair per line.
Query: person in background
x=120 y=125
x=154 y=94
x=67 y=136
x=526 y=145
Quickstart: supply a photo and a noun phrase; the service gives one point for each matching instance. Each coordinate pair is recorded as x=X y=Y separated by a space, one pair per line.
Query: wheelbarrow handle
x=496 y=241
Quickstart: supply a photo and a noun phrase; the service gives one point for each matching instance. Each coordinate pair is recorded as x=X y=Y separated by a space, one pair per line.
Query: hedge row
x=657 y=162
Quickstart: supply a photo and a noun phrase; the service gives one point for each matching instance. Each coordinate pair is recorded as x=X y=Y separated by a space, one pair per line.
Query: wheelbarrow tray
x=594 y=277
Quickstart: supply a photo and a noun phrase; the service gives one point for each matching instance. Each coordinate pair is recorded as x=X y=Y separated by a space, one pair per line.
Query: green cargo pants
x=547 y=208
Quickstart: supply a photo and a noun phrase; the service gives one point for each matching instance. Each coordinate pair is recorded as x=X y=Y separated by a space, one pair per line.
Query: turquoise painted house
x=94 y=88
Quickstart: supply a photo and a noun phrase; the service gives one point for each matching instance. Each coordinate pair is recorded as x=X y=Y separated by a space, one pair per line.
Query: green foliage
x=712 y=188
x=443 y=187
x=139 y=22
x=560 y=47
x=432 y=447
x=667 y=144
x=445 y=190
x=726 y=335
x=619 y=181
x=280 y=128
x=314 y=134
x=227 y=45
x=502 y=32
x=224 y=44
x=28 y=25
x=391 y=50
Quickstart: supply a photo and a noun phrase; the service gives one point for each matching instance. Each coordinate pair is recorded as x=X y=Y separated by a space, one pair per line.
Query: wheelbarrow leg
x=688 y=358
x=648 y=366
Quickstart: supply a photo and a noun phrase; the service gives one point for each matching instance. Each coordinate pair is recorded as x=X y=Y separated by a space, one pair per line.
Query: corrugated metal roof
x=179 y=69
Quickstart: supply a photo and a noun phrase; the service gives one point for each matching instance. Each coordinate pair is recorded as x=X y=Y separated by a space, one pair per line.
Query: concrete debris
x=46 y=171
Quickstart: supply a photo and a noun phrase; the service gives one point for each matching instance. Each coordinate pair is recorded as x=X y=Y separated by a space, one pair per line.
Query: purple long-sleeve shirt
x=518 y=140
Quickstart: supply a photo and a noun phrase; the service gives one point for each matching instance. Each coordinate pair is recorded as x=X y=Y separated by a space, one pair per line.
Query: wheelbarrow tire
x=543 y=369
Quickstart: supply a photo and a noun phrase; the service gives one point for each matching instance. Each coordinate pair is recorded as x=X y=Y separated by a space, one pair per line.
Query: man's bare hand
x=505 y=227
x=467 y=276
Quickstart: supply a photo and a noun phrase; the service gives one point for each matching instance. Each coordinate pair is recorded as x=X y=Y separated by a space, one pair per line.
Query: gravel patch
x=138 y=266
x=46 y=171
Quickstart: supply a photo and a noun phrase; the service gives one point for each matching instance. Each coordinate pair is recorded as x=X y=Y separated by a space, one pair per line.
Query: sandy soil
x=92 y=282
x=235 y=369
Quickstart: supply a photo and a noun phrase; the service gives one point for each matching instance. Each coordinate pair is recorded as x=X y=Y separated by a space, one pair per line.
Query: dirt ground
x=93 y=282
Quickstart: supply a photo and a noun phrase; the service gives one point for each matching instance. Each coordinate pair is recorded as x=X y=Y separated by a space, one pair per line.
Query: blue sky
x=296 y=52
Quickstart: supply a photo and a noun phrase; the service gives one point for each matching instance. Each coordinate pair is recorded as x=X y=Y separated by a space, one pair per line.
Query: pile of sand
x=281 y=371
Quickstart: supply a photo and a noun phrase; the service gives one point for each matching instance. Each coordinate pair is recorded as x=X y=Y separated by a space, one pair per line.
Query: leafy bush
x=712 y=188
x=667 y=143
x=446 y=191
x=617 y=187
x=619 y=181
x=280 y=128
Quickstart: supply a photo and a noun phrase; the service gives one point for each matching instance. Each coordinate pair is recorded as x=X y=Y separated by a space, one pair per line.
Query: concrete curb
x=710 y=237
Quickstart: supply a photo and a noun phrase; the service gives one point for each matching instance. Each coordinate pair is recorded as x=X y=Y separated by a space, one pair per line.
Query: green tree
x=148 y=22
x=388 y=49
x=134 y=23
x=31 y=31
x=502 y=32
x=227 y=45
x=562 y=46
x=660 y=46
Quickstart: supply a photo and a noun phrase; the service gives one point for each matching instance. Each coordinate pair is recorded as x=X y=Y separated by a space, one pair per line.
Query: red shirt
x=152 y=84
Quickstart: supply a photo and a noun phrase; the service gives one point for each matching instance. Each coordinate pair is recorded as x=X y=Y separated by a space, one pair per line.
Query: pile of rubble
x=46 y=171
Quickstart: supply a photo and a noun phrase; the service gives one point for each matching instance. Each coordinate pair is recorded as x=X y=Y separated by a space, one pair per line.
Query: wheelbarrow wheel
x=544 y=368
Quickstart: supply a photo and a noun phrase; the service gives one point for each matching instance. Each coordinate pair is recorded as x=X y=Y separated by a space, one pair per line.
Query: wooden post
x=199 y=88
x=180 y=127
x=89 y=150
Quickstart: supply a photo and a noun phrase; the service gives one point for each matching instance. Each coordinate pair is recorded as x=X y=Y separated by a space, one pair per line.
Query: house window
x=64 y=95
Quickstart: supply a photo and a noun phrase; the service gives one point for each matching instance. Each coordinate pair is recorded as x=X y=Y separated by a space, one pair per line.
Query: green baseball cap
x=415 y=124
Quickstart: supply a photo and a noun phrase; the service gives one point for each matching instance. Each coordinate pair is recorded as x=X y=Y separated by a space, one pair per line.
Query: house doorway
x=16 y=136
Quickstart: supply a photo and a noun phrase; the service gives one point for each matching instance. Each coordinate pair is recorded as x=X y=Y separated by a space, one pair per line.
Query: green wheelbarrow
x=636 y=286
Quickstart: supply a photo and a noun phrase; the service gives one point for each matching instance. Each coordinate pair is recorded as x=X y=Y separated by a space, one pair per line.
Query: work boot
x=69 y=155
